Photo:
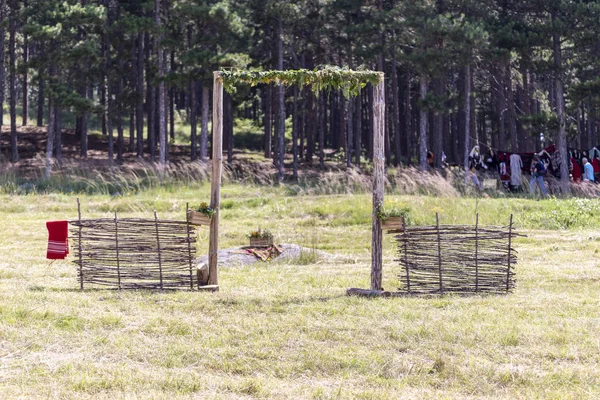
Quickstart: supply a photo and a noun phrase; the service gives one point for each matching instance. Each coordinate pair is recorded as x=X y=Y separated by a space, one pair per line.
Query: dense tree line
x=505 y=75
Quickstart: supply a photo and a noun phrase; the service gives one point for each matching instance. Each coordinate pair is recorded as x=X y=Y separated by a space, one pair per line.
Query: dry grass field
x=287 y=330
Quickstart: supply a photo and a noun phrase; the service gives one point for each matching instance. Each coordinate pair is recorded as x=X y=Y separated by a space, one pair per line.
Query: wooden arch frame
x=378 y=171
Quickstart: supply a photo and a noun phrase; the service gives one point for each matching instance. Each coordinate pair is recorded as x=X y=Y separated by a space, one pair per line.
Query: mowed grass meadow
x=287 y=330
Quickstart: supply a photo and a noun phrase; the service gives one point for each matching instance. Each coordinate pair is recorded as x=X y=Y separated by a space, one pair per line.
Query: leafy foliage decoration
x=327 y=78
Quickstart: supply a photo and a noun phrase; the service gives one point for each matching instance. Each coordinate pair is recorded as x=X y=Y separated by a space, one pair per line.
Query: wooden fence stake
x=79 y=245
x=215 y=197
x=437 y=222
x=158 y=249
x=476 y=252
x=509 y=253
x=117 y=249
x=378 y=182
x=406 y=256
x=189 y=242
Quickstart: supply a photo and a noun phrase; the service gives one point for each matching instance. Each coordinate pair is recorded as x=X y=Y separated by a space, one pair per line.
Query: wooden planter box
x=258 y=242
x=198 y=218
x=393 y=223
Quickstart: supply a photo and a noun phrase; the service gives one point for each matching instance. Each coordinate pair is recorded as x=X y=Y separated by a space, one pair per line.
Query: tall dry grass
x=100 y=177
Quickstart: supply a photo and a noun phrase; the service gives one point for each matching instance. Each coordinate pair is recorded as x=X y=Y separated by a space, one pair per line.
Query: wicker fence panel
x=456 y=259
x=134 y=253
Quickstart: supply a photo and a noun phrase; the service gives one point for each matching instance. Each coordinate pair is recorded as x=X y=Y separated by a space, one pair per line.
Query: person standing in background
x=538 y=170
x=588 y=171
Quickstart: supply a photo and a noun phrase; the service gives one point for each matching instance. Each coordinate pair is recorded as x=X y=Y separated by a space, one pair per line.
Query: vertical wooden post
x=439 y=245
x=79 y=246
x=509 y=253
x=476 y=252
x=215 y=197
x=378 y=182
x=406 y=255
x=158 y=249
x=117 y=250
x=189 y=239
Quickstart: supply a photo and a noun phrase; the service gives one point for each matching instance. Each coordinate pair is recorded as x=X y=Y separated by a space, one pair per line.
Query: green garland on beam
x=348 y=81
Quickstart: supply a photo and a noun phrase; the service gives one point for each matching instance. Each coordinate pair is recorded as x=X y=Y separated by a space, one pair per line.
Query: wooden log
x=367 y=293
x=117 y=250
x=437 y=221
x=406 y=258
x=217 y=165
x=476 y=252
x=378 y=182
x=158 y=250
x=189 y=242
x=79 y=246
x=509 y=253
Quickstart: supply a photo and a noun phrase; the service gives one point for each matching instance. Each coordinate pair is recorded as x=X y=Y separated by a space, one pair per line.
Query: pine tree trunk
x=193 y=124
x=131 y=147
x=40 y=99
x=589 y=124
x=281 y=103
x=84 y=133
x=499 y=105
x=161 y=106
x=310 y=136
x=370 y=125
x=50 y=141
x=341 y=121
x=321 y=102
x=510 y=98
x=172 y=103
x=119 y=100
x=526 y=109
x=58 y=134
x=358 y=129
x=302 y=133
x=228 y=111
x=14 y=153
x=268 y=119
x=423 y=124
x=349 y=131
x=455 y=154
x=467 y=117
x=150 y=98
x=204 y=132
x=561 y=112
x=396 y=112
x=81 y=128
x=388 y=127
x=139 y=88
x=438 y=138
x=151 y=106
x=473 y=116
x=25 y=111
x=333 y=120
x=408 y=120
x=108 y=89
x=108 y=114
x=2 y=65
x=295 y=129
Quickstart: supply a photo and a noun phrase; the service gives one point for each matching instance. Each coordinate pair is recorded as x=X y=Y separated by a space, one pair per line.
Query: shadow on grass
x=149 y=292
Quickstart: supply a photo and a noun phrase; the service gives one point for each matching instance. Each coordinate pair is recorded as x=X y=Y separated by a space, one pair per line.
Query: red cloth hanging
x=58 y=240
x=596 y=165
x=576 y=170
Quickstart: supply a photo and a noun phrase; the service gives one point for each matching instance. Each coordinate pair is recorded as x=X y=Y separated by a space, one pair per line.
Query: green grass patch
x=287 y=329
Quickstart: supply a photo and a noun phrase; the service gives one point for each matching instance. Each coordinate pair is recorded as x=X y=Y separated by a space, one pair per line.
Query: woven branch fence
x=133 y=253
x=457 y=259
